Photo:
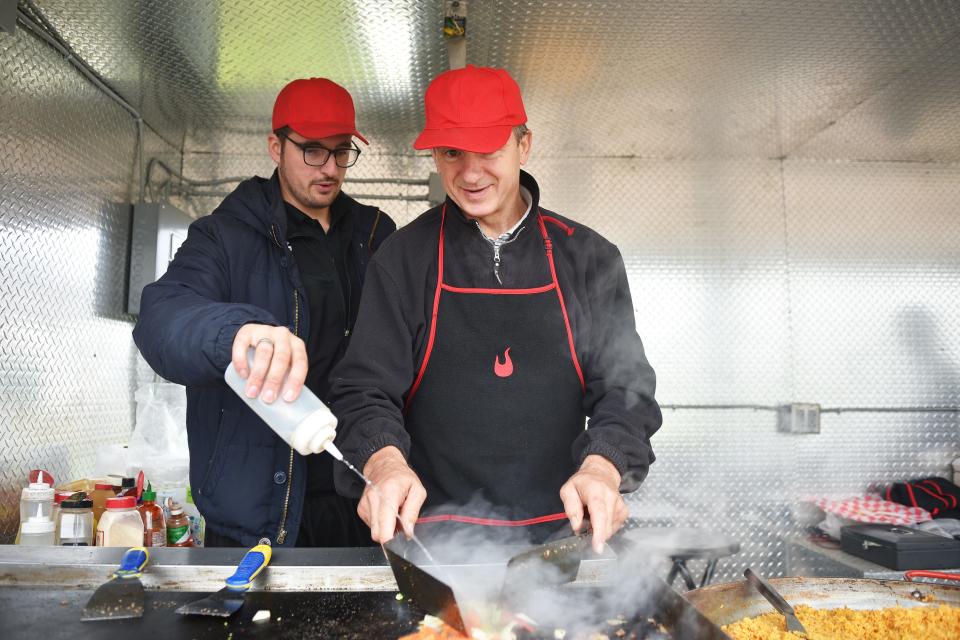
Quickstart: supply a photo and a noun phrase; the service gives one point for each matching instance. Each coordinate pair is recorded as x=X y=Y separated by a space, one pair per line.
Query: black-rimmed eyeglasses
x=316 y=155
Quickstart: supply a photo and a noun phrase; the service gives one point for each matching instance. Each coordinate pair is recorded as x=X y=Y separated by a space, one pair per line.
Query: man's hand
x=277 y=352
x=395 y=489
x=596 y=488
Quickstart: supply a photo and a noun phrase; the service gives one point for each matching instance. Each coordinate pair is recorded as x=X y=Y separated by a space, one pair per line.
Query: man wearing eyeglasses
x=278 y=267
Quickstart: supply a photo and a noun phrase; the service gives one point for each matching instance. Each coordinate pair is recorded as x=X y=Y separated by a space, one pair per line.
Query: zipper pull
x=281 y=536
x=496 y=262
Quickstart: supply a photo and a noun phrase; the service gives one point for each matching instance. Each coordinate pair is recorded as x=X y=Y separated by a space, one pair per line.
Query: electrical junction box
x=158 y=231
x=798 y=417
x=8 y=15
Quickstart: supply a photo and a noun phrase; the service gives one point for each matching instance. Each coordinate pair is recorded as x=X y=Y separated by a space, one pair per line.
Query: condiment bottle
x=120 y=525
x=178 y=526
x=59 y=497
x=154 y=528
x=38 y=493
x=128 y=487
x=198 y=525
x=75 y=522
x=37 y=530
x=102 y=491
x=306 y=424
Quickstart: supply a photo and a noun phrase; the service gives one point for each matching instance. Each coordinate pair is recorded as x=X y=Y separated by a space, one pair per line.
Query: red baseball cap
x=315 y=108
x=473 y=109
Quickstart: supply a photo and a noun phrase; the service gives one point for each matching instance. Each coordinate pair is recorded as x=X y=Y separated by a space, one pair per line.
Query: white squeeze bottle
x=306 y=424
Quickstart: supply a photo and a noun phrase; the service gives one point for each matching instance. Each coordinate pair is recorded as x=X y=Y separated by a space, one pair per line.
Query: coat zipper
x=496 y=244
x=282 y=530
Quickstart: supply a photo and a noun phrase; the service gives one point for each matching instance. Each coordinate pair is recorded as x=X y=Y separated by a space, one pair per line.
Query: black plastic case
x=900 y=548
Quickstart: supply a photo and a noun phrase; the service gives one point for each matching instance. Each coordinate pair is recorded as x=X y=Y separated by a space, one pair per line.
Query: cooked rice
x=894 y=623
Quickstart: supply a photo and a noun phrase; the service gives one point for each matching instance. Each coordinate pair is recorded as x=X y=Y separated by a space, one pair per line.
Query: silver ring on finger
x=265 y=341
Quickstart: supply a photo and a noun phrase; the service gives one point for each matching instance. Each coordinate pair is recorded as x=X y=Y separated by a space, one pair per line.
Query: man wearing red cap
x=278 y=267
x=490 y=329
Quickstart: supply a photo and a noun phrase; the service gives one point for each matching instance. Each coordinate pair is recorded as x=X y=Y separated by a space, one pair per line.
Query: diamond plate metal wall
x=760 y=282
x=66 y=356
x=861 y=79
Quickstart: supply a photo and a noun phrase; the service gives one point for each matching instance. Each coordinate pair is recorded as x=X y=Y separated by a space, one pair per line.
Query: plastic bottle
x=198 y=526
x=306 y=424
x=102 y=491
x=178 y=527
x=120 y=525
x=38 y=493
x=37 y=530
x=154 y=527
x=75 y=522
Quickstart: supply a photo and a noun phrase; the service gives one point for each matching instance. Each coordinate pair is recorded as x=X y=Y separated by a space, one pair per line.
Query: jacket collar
x=259 y=203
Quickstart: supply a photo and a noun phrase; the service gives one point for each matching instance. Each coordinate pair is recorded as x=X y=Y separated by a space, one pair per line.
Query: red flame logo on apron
x=504 y=370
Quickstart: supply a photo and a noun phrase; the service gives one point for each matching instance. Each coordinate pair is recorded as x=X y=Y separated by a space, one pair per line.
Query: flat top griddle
x=41 y=613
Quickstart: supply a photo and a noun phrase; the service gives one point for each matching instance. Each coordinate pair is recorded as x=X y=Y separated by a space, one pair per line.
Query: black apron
x=497 y=404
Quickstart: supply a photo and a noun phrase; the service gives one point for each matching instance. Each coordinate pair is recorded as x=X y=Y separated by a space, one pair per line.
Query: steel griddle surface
x=44 y=614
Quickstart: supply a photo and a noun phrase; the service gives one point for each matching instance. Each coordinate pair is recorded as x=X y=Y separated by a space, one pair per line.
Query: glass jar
x=75 y=522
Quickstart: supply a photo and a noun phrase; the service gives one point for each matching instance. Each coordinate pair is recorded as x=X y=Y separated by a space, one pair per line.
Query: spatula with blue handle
x=121 y=596
x=225 y=602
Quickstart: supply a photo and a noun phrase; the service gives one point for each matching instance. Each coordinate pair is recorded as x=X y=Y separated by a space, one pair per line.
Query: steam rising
x=473 y=559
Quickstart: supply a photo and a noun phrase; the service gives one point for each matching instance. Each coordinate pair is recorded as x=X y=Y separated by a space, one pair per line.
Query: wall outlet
x=8 y=16
x=798 y=417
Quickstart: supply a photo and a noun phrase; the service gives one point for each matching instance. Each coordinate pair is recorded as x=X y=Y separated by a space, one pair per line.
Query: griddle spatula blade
x=225 y=602
x=429 y=593
x=121 y=596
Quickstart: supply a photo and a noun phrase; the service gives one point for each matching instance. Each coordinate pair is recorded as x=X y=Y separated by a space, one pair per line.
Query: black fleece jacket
x=371 y=382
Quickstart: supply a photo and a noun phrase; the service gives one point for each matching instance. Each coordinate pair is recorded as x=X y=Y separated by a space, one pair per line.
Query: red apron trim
x=490 y=522
x=509 y=292
x=939 y=490
x=563 y=306
x=933 y=495
x=568 y=229
x=433 y=318
x=441 y=286
x=913 y=498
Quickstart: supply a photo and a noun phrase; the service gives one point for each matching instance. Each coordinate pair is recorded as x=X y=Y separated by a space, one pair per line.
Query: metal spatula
x=225 y=602
x=773 y=597
x=121 y=596
x=545 y=565
x=426 y=591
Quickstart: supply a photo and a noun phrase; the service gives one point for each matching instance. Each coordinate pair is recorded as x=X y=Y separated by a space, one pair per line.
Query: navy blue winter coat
x=235 y=268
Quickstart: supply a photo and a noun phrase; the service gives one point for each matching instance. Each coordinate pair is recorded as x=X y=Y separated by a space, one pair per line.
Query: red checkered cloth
x=872 y=508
